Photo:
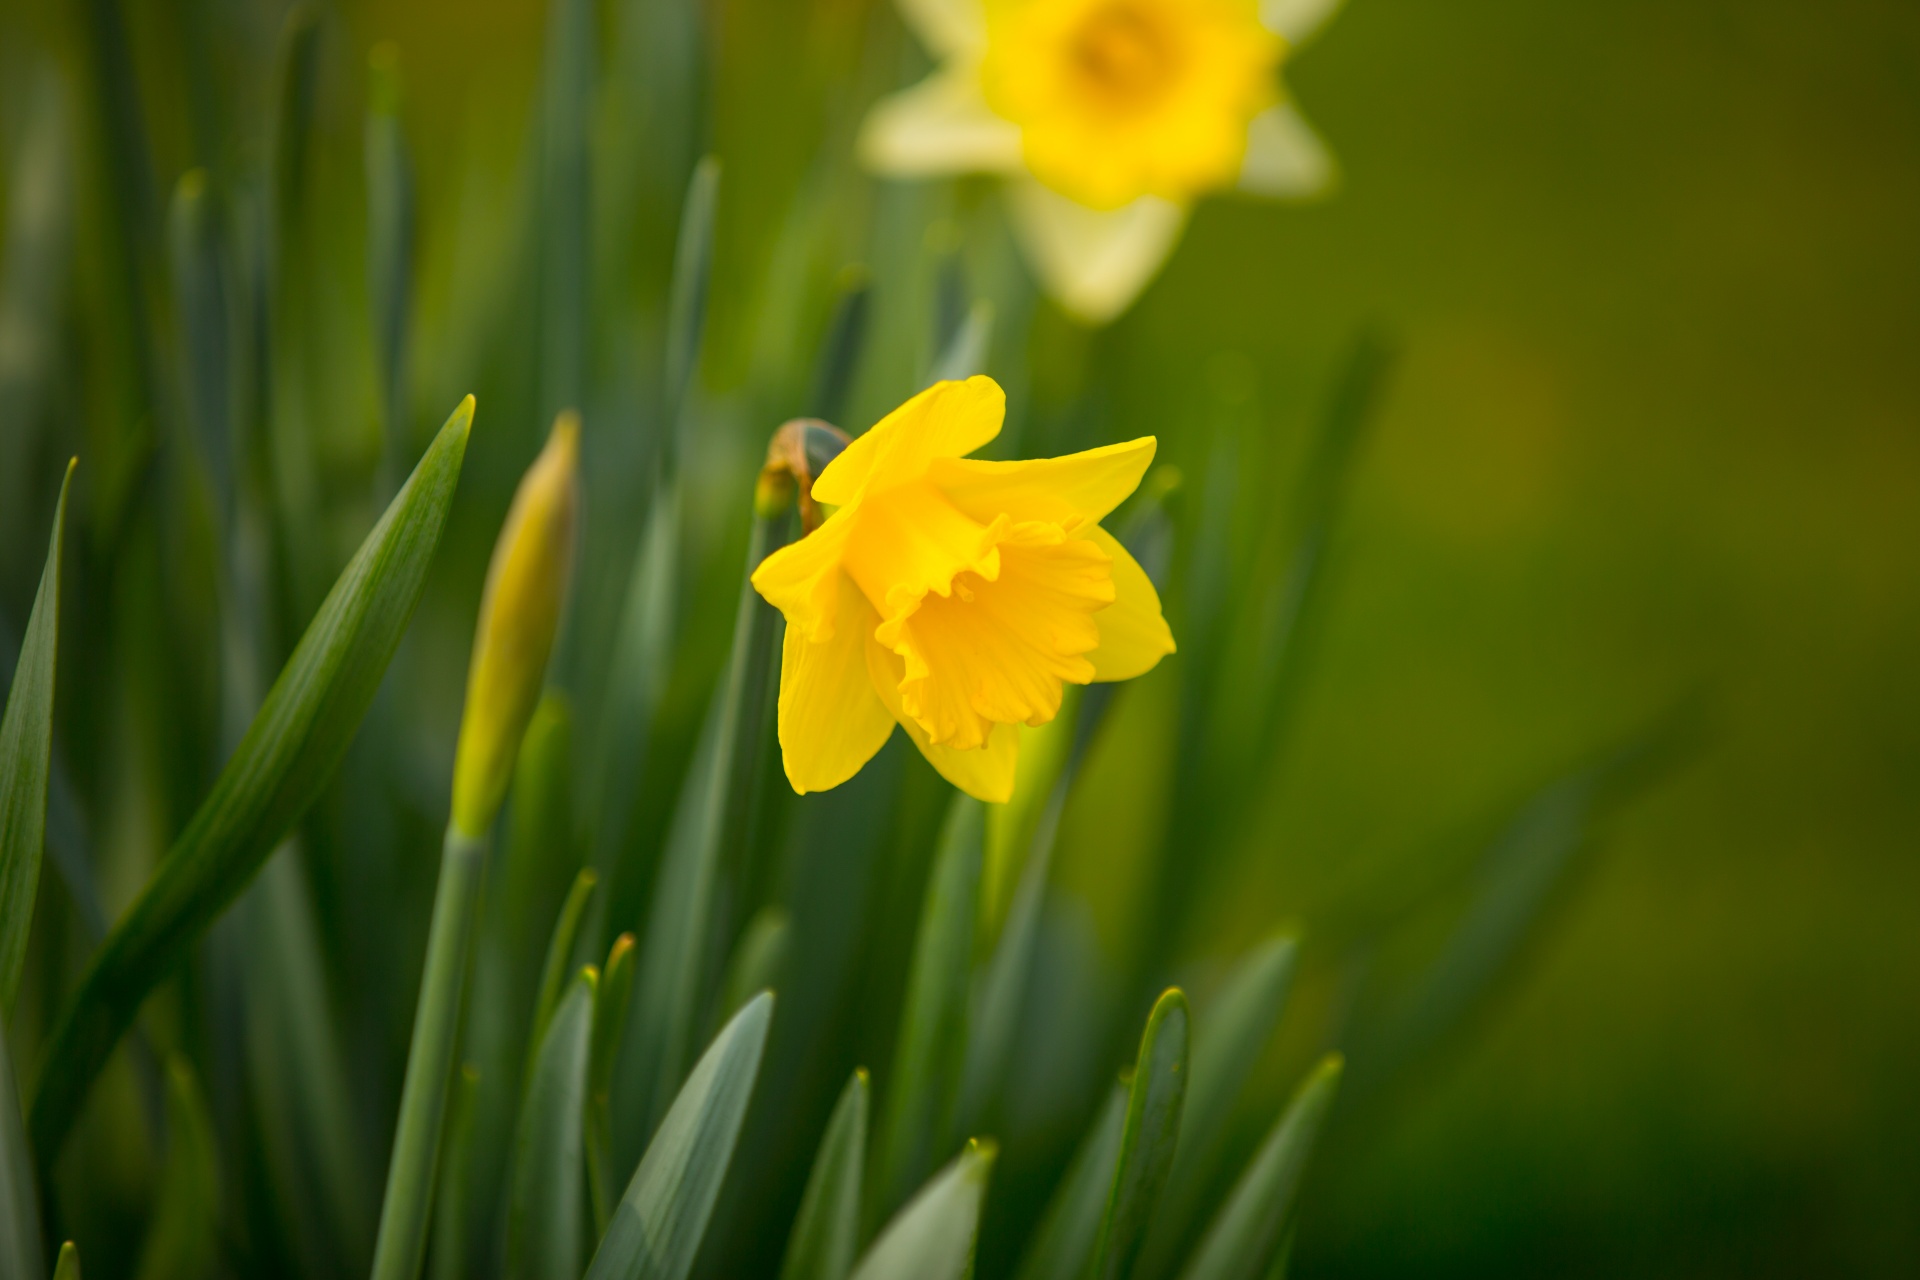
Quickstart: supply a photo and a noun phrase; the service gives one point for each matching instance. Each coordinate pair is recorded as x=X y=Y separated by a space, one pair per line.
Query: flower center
x=1123 y=55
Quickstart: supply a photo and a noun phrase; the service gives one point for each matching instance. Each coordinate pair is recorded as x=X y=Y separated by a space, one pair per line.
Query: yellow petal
x=831 y=718
x=941 y=125
x=1076 y=490
x=1093 y=262
x=985 y=773
x=998 y=651
x=1285 y=158
x=1133 y=635
x=803 y=579
x=946 y=420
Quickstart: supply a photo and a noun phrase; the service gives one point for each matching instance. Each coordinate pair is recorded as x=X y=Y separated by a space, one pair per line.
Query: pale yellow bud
x=519 y=614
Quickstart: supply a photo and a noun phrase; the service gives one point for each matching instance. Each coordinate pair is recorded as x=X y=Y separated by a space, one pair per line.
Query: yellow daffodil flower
x=954 y=595
x=1109 y=118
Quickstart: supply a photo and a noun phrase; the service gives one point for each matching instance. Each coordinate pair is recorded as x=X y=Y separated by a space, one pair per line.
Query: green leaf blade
x=1063 y=1246
x=1155 y=1101
x=1228 y=1039
x=1248 y=1234
x=826 y=1231
x=933 y=1237
x=656 y=1232
x=26 y=755
x=279 y=769
x=930 y=1053
x=20 y=1252
x=548 y=1196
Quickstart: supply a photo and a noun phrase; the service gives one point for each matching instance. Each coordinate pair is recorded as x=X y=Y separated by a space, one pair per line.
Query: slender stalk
x=423 y=1100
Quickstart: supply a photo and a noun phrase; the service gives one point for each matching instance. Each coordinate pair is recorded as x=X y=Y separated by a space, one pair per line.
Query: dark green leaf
x=1247 y=1234
x=966 y=352
x=840 y=352
x=933 y=1237
x=656 y=1232
x=26 y=752
x=826 y=1232
x=692 y=271
x=20 y=1252
x=1228 y=1037
x=288 y=755
x=710 y=823
x=297 y=1071
x=389 y=245
x=565 y=193
x=758 y=959
x=930 y=1050
x=559 y=962
x=184 y=1241
x=453 y=1204
x=1062 y=1249
x=610 y=1003
x=545 y=1208
x=1154 y=1103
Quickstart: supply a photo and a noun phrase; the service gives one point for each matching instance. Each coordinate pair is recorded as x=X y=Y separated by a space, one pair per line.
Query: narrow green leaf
x=1228 y=1037
x=845 y=341
x=20 y=1252
x=713 y=815
x=68 y=1268
x=412 y=1166
x=390 y=216
x=553 y=974
x=758 y=959
x=183 y=1242
x=1062 y=1249
x=1247 y=1233
x=610 y=1004
x=930 y=1051
x=453 y=1203
x=545 y=1208
x=26 y=752
x=656 y=1232
x=966 y=352
x=288 y=755
x=637 y=676
x=933 y=1237
x=297 y=1070
x=565 y=193
x=1155 y=1100
x=826 y=1232
x=203 y=305
x=692 y=272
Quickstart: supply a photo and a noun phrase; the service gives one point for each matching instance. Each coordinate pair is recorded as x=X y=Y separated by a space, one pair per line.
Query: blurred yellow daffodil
x=1109 y=118
x=954 y=595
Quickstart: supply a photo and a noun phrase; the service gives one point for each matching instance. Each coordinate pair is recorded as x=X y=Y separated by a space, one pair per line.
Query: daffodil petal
x=1094 y=262
x=803 y=579
x=985 y=773
x=946 y=27
x=1076 y=490
x=946 y=420
x=1285 y=158
x=1133 y=634
x=941 y=125
x=832 y=719
x=1296 y=21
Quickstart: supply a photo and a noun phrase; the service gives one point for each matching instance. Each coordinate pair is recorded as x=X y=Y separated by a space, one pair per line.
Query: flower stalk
x=520 y=613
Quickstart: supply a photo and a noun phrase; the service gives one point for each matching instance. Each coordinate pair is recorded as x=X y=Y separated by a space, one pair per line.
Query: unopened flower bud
x=519 y=615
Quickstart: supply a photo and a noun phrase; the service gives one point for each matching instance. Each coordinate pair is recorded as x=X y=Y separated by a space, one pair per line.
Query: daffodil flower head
x=1109 y=118
x=954 y=596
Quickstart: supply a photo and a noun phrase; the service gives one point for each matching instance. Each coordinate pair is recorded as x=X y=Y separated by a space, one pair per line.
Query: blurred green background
x=1654 y=440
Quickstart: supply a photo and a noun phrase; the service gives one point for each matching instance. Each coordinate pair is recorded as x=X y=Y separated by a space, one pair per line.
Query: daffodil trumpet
x=953 y=596
x=520 y=610
x=1108 y=119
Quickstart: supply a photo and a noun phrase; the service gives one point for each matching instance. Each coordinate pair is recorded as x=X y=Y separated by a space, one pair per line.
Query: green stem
x=423 y=1100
